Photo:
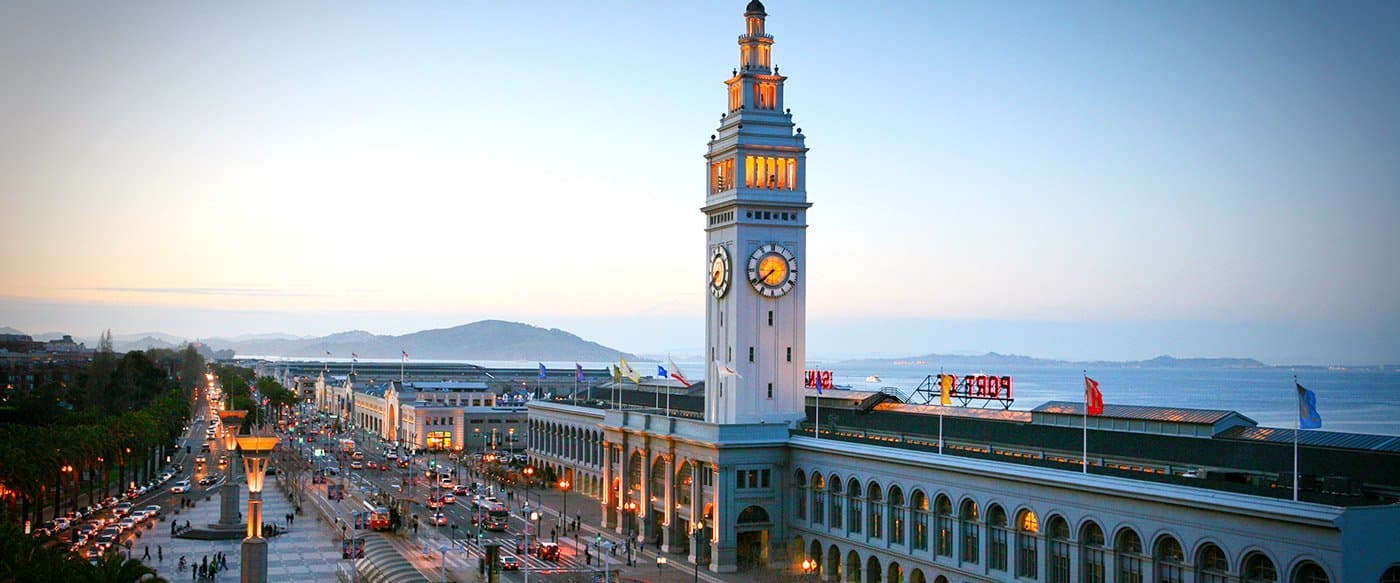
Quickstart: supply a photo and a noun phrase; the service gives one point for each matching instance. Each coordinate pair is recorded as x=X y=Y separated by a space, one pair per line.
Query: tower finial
x=755 y=7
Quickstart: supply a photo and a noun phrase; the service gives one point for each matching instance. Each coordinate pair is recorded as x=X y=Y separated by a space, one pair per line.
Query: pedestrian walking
x=160 y=553
x=147 y=555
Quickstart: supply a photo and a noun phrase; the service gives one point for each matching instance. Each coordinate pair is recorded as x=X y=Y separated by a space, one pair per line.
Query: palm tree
x=115 y=569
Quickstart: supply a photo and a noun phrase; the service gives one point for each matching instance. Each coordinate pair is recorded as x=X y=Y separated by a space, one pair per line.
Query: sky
x=1069 y=180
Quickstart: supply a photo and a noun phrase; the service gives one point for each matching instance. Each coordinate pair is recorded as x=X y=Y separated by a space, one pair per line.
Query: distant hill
x=484 y=340
x=991 y=359
x=9 y=330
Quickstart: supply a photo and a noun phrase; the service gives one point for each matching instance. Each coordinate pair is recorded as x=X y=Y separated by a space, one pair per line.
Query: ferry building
x=740 y=476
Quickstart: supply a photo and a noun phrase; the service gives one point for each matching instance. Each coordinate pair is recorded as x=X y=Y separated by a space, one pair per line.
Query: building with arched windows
x=740 y=475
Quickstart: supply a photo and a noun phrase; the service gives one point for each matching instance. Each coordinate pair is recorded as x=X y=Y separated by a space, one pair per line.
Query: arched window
x=896 y=502
x=1128 y=554
x=818 y=499
x=853 y=518
x=1057 y=539
x=872 y=570
x=1212 y=566
x=875 y=497
x=1000 y=534
x=1391 y=575
x=944 y=509
x=894 y=574
x=969 y=525
x=1258 y=568
x=1310 y=572
x=1092 y=550
x=1027 y=559
x=919 y=509
x=799 y=483
x=836 y=498
x=1169 y=560
x=853 y=567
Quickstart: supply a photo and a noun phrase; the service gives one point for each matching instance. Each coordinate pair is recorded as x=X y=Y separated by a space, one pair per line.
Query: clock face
x=719 y=272
x=772 y=270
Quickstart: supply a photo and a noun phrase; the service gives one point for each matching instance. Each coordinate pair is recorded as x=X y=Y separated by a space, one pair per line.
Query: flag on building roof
x=818 y=378
x=542 y=371
x=405 y=355
x=628 y=372
x=676 y=372
x=1308 y=417
x=661 y=372
x=578 y=372
x=354 y=357
x=1093 y=399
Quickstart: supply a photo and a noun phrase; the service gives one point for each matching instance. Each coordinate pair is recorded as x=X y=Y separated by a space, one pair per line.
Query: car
x=357 y=465
x=547 y=551
x=433 y=503
x=445 y=482
x=110 y=501
x=123 y=509
x=357 y=456
x=449 y=498
x=509 y=563
x=152 y=510
x=207 y=480
x=199 y=459
x=440 y=519
x=182 y=486
x=391 y=456
x=139 y=515
x=126 y=523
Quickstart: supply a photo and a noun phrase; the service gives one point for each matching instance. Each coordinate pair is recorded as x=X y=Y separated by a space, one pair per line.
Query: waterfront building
x=425 y=415
x=743 y=476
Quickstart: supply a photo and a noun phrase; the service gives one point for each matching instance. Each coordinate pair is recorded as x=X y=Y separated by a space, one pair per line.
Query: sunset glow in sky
x=1222 y=177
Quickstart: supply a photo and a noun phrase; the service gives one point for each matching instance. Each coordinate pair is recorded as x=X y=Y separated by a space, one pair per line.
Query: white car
x=180 y=487
x=152 y=510
x=126 y=523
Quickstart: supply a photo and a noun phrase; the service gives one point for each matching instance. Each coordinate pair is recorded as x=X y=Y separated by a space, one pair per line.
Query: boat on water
x=872 y=379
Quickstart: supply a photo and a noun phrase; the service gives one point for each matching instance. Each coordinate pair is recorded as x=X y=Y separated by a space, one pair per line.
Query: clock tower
x=756 y=242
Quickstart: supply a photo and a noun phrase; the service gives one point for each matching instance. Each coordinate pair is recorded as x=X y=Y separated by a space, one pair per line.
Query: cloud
x=202 y=291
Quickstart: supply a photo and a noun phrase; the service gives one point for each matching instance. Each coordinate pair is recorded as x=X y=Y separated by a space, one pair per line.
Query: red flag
x=1093 y=399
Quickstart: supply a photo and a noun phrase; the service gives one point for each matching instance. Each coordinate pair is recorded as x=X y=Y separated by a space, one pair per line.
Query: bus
x=378 y=517
x=496 y=516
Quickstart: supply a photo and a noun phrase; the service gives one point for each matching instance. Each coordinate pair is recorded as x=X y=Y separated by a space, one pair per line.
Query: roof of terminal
x=1364 y=441
x=1144 y=413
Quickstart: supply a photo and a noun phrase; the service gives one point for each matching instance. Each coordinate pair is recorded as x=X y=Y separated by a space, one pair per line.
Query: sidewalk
x=309 y=551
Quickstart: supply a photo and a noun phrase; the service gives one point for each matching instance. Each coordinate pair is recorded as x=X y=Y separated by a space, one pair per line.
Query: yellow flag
x=945 y=383
x=629 y=373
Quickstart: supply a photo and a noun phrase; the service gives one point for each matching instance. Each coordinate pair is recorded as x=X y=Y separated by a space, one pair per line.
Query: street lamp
x=809 y=567
x=563 y=516
x=534 y=519
x=255 y=456
x=228 y=493
x=630 y=508
x=697 y=531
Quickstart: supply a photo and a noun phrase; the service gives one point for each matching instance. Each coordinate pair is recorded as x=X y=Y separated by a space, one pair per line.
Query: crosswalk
x=465 y=553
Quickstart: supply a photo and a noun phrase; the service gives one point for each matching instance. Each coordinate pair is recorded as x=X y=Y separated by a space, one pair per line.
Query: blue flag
x=578 y=372
x=1308 y=418
x=661 y=372
x=541 y=371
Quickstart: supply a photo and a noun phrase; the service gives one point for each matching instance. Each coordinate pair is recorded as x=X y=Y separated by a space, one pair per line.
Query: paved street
x=424 y=547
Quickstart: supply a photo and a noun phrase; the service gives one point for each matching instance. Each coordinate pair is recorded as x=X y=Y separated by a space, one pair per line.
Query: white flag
x=726 y=370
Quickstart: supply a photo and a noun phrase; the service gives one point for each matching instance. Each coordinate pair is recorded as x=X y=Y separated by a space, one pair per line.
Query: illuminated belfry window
x=722 y=175
x=755 y=25
x=736 y=97
x=770 y=172
x=765 y=95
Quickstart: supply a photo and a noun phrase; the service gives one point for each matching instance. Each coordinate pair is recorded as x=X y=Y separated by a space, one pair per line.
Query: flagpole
x=1297 y=426
x=940 y=411
x=1084 y=459
x=668 y=388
